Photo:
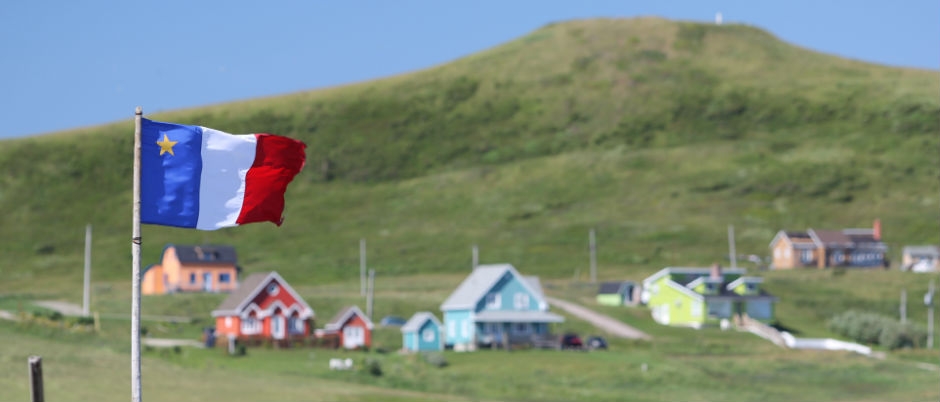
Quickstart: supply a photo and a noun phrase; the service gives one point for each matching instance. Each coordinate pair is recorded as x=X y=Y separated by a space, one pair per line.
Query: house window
x=838 y=256
x=251 y=325
x=228 y=322
x=696 y=309
x=709 y=287
x=786 y=253
x=806 y=256
x=192 y=278
x=750 y=287
x=521 y=328
x=520 y=301
x=225 y=278
x=493 y=301
x=465 y=329
x=295 y=325
x=427 y=335
x=273 y=289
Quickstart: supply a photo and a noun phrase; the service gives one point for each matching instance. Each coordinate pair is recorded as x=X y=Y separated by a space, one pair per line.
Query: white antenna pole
x=593 y=245
x=731 y=252
x=86 y=295
x=476 y=256
x=362 y=267
x=903 y=306
x=929 y=301
x=135 y=265
x=371 y=297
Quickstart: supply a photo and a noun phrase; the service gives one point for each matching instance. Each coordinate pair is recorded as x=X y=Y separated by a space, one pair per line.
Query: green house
x=617 y=293
x=694 y=297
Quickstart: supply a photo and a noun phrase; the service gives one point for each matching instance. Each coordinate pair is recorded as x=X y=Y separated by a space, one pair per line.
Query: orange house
x=264 y=307
x=351 y=326
x=851 y=248
x=206 y=268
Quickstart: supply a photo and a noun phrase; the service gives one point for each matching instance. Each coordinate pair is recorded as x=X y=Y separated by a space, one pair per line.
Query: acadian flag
x=197 y=177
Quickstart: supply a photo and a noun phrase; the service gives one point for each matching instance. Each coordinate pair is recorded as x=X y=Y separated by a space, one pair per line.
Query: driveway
x=65 y=308
x=608 y=324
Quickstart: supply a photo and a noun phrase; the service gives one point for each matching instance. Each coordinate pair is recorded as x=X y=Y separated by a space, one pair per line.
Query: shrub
x=876 y=329
x=435 y=359
x=372 y=366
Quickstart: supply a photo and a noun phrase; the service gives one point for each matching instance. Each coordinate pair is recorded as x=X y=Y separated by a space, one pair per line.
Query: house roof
x=607 y=288
x=830 y=237
x=933 y=251
x=240 y=299
x=416 y=321
x=344 y=315
x=743 y=279
x=689 y=270
x=206 y=253
x=516 y=316
x=481 y=280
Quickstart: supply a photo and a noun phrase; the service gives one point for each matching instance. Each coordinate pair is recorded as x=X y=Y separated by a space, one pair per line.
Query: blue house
x=422 y=333
x=496 y=305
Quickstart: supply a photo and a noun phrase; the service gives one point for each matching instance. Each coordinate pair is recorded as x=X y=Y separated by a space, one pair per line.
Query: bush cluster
x=876 y=329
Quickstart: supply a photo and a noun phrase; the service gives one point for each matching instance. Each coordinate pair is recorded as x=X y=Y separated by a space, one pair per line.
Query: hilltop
x=657 y=133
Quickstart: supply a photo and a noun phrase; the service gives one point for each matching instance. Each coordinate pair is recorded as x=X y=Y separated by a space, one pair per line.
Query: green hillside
x=657 y=133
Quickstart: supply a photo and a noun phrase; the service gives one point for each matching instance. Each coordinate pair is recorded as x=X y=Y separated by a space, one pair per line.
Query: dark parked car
x=392 y=321
x=596 y=342
x=571 y=341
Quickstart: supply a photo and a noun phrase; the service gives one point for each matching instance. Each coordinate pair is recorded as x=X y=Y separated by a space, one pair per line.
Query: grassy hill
x=657 y=133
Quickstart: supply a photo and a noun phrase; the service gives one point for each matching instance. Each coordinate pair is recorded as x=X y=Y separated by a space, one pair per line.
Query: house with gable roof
x=265 y=307
x=422 y=333
x=853 y=248
x=496 y=304
x=350 y=327
x=920 y=259
x=187 y=268
x=695 y=297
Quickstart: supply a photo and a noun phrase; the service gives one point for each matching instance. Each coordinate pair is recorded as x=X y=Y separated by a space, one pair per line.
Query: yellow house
x=205 y=268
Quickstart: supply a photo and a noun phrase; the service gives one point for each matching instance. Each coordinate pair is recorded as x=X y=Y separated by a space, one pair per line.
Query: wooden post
x=593 y=246
x=86 y=295
x=362 y=267
x=135 y=267
x=35 y=379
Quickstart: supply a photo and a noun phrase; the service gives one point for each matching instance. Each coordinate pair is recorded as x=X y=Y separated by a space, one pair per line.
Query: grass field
x=682 y=364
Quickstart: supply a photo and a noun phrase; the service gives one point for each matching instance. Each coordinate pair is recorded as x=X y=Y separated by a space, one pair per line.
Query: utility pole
x=731 y=253
x=371 y=298
x=476 y=256
x=903 y=306
x=86 y=295
x=593 y=246
x=362 y=267
x=928 y=301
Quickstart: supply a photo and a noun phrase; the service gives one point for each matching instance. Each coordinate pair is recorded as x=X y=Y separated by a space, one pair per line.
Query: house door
x=664 y=313
x=277 y=327
x=353 y=337
x=207 y=282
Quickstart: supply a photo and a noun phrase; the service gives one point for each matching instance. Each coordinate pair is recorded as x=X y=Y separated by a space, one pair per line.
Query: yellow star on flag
x=166 y=145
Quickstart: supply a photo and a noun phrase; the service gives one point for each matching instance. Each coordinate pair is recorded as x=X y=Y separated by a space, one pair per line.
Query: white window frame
x=295 y=325
x=428 y=335
x=521 y=301
x=251 y=325
x=493 y=301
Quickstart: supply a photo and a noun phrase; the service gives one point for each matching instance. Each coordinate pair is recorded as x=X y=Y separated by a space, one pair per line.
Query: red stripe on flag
x=277 y=160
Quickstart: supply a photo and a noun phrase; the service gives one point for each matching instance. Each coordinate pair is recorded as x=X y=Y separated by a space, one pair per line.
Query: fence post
x=35 y=378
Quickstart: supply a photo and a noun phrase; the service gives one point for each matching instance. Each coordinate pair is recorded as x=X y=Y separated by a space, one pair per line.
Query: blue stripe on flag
x=169 y=183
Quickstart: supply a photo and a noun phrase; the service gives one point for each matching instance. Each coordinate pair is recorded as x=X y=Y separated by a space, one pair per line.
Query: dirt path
x=168 y=343
x=605 y=323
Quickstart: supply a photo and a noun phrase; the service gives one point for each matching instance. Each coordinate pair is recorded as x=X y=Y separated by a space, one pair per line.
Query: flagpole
x=135 y=262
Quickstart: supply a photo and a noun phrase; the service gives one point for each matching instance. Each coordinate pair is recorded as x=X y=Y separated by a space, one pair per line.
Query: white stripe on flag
x=226 y=159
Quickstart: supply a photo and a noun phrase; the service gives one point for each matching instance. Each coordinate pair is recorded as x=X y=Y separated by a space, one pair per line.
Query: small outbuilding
x=351 y=326
x=623 y=293
x=422 y=333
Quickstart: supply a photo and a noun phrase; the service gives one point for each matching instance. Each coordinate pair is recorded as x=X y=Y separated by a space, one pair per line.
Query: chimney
x=716 y=271
x=876 y=229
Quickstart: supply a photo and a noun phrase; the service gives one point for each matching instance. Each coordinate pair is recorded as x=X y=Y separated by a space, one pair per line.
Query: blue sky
x=67 y=65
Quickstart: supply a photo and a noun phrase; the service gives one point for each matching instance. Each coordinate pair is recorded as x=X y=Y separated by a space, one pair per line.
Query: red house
x=263 y=308
x=351 y=326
